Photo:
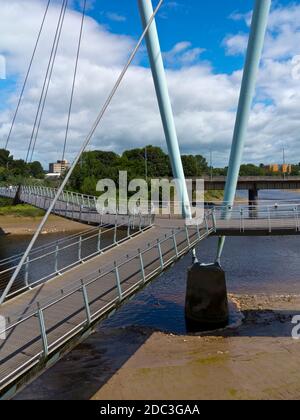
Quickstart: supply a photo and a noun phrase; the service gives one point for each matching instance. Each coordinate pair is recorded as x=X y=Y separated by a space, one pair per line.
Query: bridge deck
x=62 y=298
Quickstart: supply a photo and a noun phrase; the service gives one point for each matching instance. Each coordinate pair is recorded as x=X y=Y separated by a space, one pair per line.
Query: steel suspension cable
x=83 y=147
x=74 y=80
x=48 y=82
x=27 y=74
x=53 y=49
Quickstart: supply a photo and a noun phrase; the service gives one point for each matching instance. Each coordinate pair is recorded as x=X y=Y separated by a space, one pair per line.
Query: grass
x=214 y=195
x=21 y=210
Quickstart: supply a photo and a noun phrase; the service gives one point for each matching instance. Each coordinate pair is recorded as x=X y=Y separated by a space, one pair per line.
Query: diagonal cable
x=53 y=49
x=74 y=80
x=48 y=82
x=82 y=149
x=27 y=75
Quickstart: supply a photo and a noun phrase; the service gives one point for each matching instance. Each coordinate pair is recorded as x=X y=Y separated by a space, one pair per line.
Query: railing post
x=296 y=219
x=128 y=227
x=241 y=220
x=27 y=272
x=214 y=220
x=269 y=219
x=41 y=319
x=99 y=240
x=187 y=236
x=56 y=259
x=198 y=231
x=160 y=254
x=175 y=244
x=86 y=304
x=206 y=223
x=142 y=265
x=116 y=229
x=118 y=282
x=79 y=248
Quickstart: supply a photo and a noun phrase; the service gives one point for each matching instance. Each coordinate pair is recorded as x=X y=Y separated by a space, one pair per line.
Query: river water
x=253 y=265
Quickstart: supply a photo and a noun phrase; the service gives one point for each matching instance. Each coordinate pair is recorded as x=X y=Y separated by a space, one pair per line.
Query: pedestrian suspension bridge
x=52 y=295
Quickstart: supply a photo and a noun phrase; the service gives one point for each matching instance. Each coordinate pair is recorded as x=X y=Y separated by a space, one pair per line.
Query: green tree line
x=16 y=170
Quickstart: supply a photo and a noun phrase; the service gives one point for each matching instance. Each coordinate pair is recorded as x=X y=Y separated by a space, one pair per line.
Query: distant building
x=276 y=168
x=59 y=167
x=52 y=176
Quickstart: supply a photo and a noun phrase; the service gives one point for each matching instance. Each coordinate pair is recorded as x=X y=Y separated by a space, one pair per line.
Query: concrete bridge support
x=206 y=304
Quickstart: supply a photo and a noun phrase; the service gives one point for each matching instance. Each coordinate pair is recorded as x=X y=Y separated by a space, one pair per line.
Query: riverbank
x=257 y=359
x=22 y=225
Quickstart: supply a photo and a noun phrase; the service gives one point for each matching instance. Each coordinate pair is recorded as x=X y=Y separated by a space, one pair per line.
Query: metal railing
x=120 y=280
x=74 y=206
x=270 y=217
x=55 y=258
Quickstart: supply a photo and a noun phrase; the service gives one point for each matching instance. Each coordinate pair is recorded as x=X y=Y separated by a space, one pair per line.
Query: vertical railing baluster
x=187 y=236
x=160 y=254
x=206 y=223
x=128 y=227
x=80 y=248
x=41 y=319
x=175 y=244
x=142 y=266
x=116 y=229
x=86 y=304
x=56 y=259
x=117 y=273
x=99 y=240
x=27 y=272
x=214 y=218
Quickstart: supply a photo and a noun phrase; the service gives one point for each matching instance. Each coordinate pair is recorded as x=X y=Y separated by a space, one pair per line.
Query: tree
x=251 y=170
x=194 y=165
x=36 y=170
x=5 y=158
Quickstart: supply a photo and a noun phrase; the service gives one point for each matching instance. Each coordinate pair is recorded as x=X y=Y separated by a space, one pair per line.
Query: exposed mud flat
x=13 y=225
x=254 y=358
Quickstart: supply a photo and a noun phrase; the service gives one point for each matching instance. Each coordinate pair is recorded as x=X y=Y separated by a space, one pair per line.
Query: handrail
x=57 y=251
x=98 y=275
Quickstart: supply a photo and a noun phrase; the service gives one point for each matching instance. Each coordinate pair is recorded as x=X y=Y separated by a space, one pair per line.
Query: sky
x=203 y=46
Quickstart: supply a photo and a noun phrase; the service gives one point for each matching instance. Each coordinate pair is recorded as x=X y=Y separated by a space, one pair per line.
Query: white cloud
x=115 y=17
x=183 y=54
x=204 y=102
